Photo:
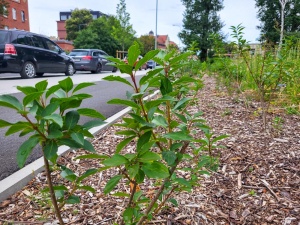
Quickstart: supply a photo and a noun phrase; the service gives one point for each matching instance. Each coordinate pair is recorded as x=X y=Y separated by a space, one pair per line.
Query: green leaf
x=123 y=143
x=220 y=138
x=56 y=118
x=50 y=151
x=54 y=131
x=110 y=185
x=88 y=146
x=59 y=188
x=42 y=85
x=133 y=170
x=155 y=170
x=118 y=78
x=121 y=194
x=92 y=156
x=115 y=160
x=90 y=113
x=160 y=121
x=128 y=215
x=173 y=201
x=133 y=53
x=71 y=119
x=166 y=86
x=68 y=174
x=124 y=102
x=66 y=84
x=93 y=123
x=149 y=157
x=52 y=90
x=78 y=137
x=4 y=123
x=69 y=142
x=169 y=156
x=143 y=140
x=73 y=200
x=87 y=173
x=50 y=108
x=87 y=188
x=31 y=97
x=10 y=102
x=149 y=55
x=27 y=89
x=126 y=132
x=181 y=103
x=25 y=150
x=178 y=136
x=19 y=126
x=183 y=182
x=139 y=178
x=82 y=85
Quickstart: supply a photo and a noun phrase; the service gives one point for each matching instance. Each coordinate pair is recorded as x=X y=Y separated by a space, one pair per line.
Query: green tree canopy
x=147 y=43
x=80 y=19
x=124 y=33
x=200 y=21
x=4 y=4
x=269 y=16
x=98 y=35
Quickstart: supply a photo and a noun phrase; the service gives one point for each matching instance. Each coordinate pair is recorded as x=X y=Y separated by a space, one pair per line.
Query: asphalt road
x=101 y=92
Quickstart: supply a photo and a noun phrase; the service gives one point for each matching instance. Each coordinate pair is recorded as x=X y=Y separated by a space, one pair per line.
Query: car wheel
x=39 y=74
x=28 y=70
x=114 y=69
x=70 y=69
x=98 y=69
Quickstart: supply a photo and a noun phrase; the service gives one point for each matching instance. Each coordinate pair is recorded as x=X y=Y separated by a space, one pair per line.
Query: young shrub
x=52 y=120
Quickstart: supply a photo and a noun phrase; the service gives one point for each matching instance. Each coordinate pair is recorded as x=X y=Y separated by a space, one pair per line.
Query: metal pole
x=156 y=26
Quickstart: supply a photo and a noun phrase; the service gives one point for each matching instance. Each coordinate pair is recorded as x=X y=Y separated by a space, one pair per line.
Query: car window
x=38 y=41
x=103 y=54
x=96 y=53
x=79 y=53
x=21 y=39
x=3 y=37
x=51 y=45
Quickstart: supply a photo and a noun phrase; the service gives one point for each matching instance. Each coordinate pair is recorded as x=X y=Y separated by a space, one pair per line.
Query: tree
x=98 y=35
x=80 y=19
x=147 y=42
x=272 y=14
x=124 y=33
x=200 y=21
x=3 y=10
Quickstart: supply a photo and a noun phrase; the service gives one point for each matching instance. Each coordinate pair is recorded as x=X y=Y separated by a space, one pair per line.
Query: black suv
x=94 y=60
x=32 y=55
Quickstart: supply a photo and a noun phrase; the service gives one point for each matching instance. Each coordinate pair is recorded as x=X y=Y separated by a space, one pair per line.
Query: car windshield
x=79 y=53
x=3 y=36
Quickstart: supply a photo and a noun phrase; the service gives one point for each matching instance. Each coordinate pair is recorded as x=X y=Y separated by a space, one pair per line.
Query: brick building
x=18 y=16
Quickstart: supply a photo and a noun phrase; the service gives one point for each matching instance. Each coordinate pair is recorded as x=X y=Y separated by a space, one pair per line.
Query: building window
x=4 y=11
x=16 y=1
x=95 y=17
x=23 y=16
x=14 y=13
x=63 y=17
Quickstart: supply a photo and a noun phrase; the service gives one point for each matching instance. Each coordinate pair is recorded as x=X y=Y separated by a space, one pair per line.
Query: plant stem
x=52 y=193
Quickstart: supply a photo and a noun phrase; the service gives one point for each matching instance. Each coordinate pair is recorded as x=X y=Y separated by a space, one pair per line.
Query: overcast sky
x=44 y=14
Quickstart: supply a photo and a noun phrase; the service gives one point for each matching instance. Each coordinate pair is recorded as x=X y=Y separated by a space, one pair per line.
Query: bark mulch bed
x=258 y=181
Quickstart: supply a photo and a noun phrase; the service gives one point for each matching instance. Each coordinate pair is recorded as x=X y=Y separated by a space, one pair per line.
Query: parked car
x=150 y=64
x=32 y=55
x=144 y=66
x=93 y=60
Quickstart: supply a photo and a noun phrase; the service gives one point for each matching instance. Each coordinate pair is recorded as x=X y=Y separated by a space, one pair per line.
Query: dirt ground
x=258 y=181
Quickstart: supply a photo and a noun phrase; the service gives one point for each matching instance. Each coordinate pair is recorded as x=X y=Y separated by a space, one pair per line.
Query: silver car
x=93 y=60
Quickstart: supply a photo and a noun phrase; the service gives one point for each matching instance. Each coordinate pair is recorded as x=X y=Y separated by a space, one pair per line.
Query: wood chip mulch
x=258 y=181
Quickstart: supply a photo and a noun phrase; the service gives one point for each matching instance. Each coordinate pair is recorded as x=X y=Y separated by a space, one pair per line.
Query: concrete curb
x=16 y=181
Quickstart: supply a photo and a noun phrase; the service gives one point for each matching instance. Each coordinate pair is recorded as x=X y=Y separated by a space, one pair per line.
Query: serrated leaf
x=115 y=160
x=133 y=53
x=10 y=102
x=118 y=78
x=50 y=108
x=178 y=136
x=78 y=137
x=82 y=85
x=71 y=119
x=110 y=185
x=149 y=157
x=73 y=200
x=155 y=170
x=90 y=113
x=124 y=102
x=166 y=86
x=66 y=84
x=169 y=156
x=25 y=150
x=86 y=174
x=123 y=143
